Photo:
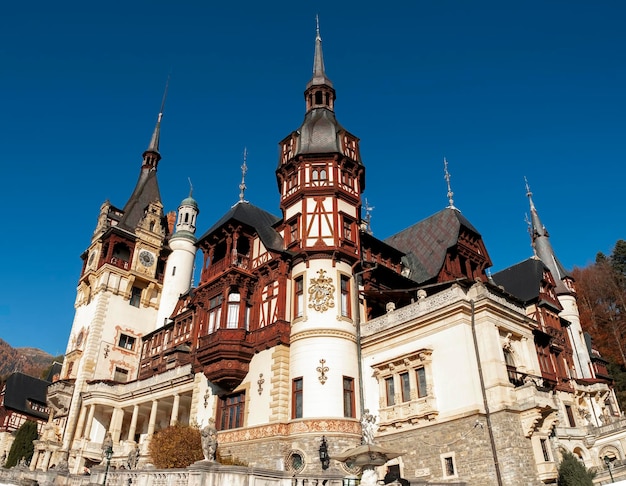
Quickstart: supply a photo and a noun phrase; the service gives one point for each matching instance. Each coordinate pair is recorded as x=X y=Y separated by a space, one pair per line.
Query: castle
x=304 y=323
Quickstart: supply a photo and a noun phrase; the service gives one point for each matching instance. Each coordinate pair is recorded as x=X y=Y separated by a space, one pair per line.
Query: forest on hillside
x=601 y=290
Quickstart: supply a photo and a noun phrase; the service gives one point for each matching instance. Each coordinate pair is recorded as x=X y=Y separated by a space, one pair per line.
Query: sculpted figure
x=133 y=457
x=209 y=441
x=368 y=427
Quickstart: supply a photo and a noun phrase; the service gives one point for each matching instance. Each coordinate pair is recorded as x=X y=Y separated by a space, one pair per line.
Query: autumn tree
x=22 y=447
x=177 y=446
x=601 y=289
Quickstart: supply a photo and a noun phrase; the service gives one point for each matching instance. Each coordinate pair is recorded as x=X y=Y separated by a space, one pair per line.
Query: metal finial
x=244 y=169
x=167 y=85
x=317 y=26
x=368 y=217
x=529 y=228
x=190 y=187
x=447 y=178
x=528 y=192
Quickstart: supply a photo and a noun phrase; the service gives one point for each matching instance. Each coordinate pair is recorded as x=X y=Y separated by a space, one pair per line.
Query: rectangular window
x=293 y=231
x=420 y=374
x=345 y=296
x=230 y=411
x=126 y=342
x=299 y=297
x=544 y=449
x=121 y=375
x=406 y=387
x=232 y=321
x=570 y=416
x=448 y=466
x=348 y=397
x=215 y=313
x=135 y=296
x=296 y=398
x=389 y=388
x=347 y=229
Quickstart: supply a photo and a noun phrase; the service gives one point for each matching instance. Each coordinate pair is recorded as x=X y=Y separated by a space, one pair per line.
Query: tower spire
x=542 y=247
x=152 y=156
x=447 y=178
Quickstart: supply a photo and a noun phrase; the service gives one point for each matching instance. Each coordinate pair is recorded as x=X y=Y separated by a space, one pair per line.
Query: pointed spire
x=244 y=170
x=152 y=156
x=542 y=247
x=319 y=79
x=447 y=178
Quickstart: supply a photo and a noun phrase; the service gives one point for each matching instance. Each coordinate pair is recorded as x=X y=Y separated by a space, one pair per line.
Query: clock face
x=91 y=257
x=146 y=258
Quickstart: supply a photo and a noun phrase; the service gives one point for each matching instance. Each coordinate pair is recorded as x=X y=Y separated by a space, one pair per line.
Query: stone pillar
x=153 y=416
x=174 y=416
x=46 y=460
x=117 y=418
x=92 y=411
x=81 y=423
x=33 y=461
x=133 y=423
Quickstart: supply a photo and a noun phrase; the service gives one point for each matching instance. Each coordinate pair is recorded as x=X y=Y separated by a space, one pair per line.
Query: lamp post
x=108 y=454
x=607 y=461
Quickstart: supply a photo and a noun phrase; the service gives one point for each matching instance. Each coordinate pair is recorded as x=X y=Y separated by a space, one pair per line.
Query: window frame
x=129 y=342
x=297 y=397
x=346 y=296
x=349 y=409
x=230 y=411
x=298 y=297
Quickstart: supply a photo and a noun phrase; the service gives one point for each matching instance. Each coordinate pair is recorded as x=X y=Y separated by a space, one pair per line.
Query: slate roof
x=426 y=243
x=254 y=217
x=20 y=389
x=146 y=191
x=522 y=280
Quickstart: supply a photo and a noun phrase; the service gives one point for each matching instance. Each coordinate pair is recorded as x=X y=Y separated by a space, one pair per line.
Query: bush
x=572 y=472
x=22 y=447
x=177 y=446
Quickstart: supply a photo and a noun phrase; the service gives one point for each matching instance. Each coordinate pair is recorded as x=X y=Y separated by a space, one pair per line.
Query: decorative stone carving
x=321 y=292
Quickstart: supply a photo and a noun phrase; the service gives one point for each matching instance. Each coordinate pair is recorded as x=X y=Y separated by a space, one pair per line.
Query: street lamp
x=607 y=461
x=108 y=454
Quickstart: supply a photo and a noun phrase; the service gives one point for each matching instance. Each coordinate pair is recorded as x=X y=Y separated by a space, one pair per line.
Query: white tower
x=180 y=263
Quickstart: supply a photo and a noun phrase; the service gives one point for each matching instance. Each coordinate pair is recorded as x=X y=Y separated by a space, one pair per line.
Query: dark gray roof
x=20 y=389
x=522 y=280
x=426 y=243
x=254 y=217
x=146 y=192
x=319 y=133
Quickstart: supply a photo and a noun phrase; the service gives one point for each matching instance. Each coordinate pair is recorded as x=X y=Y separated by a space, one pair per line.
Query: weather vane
x=447 y=178
x=244 y=169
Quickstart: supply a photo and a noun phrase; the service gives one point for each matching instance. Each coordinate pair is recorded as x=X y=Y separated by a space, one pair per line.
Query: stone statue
x=209 y=441
x=368 y=427
x=133 y=457
x=3 y=459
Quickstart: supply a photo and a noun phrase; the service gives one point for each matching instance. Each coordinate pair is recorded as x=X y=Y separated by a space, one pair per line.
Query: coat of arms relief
x=321 y=292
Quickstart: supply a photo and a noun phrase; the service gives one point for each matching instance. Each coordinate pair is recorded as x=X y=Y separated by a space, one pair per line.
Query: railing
x=238 y=260
x=119 y=263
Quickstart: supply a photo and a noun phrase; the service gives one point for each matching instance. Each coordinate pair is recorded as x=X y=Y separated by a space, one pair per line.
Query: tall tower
x=180 y=263
x=118 y=295
x=320 y=178
x=565 y=290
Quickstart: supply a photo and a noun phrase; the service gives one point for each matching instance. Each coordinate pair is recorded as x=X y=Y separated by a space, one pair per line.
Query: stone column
x=116 y=424
x=133 y=423
x=153 y=416
x=174 y=416
x=81 y=422
x=92 y=411
x=33 y=461
x=46 y=460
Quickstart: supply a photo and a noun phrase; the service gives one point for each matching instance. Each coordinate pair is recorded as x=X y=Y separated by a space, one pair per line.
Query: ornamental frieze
x=284 y=429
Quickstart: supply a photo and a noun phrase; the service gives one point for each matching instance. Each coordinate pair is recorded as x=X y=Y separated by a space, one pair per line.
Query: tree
x=22 y=447
x=177 y=446
x=572 y=472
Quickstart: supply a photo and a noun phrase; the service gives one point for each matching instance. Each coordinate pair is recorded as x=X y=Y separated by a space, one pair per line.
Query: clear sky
x=502 y=89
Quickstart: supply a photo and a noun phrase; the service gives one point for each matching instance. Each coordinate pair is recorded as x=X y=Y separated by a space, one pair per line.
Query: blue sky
x=502 y=89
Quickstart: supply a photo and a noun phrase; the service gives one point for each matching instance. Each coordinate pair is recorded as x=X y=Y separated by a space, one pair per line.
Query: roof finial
x=529 y=194
x=317 y=28
x=447 y=178
x=244 y=169
x=190 y=187
x=368 y=217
